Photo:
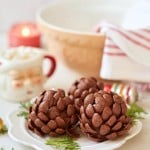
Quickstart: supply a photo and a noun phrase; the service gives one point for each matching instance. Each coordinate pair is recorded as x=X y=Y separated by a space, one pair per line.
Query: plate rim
x=33 y=143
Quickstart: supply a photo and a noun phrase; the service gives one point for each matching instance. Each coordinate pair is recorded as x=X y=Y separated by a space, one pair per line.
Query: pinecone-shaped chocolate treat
x=81 y=88
x=52 y=114
x=103 y=116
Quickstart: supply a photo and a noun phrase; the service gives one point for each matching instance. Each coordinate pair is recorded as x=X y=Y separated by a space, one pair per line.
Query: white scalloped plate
x=21 y=134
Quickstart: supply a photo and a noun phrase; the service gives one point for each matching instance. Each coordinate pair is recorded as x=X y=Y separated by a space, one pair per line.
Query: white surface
x=3 y=40
x=142 y=10
x=64 y=79
x=122 y=68
x=20 y=133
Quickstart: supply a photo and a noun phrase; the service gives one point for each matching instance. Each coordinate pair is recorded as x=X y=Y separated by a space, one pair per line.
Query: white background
x=12 y=11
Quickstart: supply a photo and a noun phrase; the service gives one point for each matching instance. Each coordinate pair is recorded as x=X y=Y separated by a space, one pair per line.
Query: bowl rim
x=41 y=20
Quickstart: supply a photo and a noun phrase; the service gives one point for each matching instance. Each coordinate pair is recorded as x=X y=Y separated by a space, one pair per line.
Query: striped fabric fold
x=133 y=36
x=140 y=37
x=125 y=42
x=124 y=51
x=112 y=49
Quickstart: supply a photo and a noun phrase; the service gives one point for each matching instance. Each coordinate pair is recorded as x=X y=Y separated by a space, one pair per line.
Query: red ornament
x=107 y=87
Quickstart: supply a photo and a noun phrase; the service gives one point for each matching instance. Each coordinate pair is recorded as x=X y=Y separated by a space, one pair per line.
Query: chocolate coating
x=52 y=114
x=83 y=87
x=103 y=116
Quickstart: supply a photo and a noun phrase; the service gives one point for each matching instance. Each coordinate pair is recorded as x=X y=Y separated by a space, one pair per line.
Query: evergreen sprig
x=63 y=143
x=135 y=112
x=24 y=106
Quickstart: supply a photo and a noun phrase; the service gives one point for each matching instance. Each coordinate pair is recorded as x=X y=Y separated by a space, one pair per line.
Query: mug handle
x=53 y=65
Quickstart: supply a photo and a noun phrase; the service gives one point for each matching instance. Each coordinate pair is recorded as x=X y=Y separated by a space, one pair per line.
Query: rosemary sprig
x=135 y=112
x=24 y=106
x=63 y=143
x=23 y=114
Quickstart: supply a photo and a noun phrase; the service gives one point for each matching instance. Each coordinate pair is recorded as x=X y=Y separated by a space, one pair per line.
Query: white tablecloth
x=139 y=142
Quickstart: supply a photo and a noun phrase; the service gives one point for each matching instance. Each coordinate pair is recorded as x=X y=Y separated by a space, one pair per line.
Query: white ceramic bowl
x=68 y=29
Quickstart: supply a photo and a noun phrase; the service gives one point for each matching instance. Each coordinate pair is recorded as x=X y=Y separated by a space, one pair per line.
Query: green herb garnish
x=24 y=106
x=23 y=114
x=63 y=143
x=135 y=112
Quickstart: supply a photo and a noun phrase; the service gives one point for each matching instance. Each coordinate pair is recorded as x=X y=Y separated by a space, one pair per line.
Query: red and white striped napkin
x=126 y=53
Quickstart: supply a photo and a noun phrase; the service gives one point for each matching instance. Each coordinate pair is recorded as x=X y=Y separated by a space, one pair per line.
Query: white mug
x=21 y=72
